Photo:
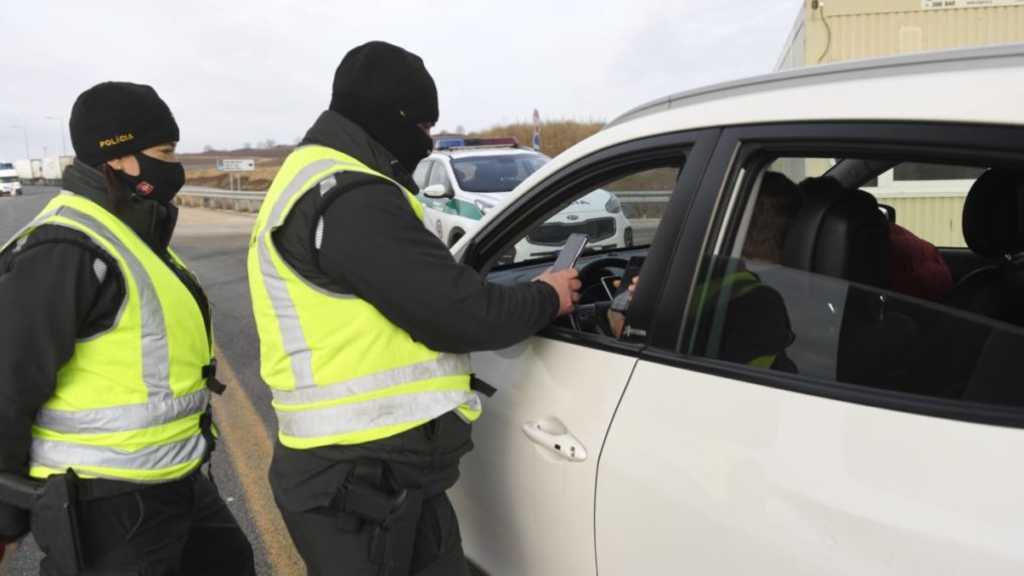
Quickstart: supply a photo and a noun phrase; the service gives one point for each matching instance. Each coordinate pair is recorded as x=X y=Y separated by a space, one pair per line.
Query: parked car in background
x=9 y=183
x=776 y=402
x=464 y=179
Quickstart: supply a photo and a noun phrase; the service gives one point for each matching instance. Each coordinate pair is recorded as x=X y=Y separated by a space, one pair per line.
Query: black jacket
x=372 y=245
x=56 y=288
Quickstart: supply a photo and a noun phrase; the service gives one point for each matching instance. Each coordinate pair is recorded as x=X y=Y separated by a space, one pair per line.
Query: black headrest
x=839 y=233
x=993 y=219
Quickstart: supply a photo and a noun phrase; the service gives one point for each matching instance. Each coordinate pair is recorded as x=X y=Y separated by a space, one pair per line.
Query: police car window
x=438 y=175
x=621 y=213
x=420 y=174
x=495 y=173
x=815 y=278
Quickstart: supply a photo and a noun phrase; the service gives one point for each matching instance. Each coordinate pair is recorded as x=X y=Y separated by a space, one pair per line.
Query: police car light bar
x=453 y=143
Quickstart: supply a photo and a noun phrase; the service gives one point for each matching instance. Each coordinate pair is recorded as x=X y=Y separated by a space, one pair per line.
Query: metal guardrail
x=643 y=197
x=204 y=197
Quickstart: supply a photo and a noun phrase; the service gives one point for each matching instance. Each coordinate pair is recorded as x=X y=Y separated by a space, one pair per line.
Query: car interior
x=853 y=294
x=868 y=302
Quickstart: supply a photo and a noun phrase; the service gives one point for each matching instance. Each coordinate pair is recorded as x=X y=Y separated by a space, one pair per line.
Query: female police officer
x=106 y=356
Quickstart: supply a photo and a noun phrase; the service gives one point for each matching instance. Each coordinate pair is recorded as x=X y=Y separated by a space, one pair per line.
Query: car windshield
x=495 y=173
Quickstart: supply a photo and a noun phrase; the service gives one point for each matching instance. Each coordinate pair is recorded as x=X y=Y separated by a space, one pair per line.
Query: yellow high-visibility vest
x=127 y=404
x=339 y=370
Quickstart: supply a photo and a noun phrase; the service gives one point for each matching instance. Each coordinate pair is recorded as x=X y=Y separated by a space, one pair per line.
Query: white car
x=800 y=387
x=9 y=183
x=466 y=178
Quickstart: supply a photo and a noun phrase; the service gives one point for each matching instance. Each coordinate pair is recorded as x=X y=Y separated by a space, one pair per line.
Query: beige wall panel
x=870 y=29
x=937 y=220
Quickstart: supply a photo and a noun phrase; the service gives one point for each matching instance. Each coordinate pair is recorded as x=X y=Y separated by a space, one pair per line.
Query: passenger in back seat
x=915 y=266
x=750 y=315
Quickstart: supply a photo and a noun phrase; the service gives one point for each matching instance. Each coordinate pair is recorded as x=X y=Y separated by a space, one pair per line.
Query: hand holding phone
x=570 y=252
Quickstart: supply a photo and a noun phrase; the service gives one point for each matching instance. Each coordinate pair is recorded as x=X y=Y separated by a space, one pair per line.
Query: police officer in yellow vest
x=365 y=320
x=106 y=361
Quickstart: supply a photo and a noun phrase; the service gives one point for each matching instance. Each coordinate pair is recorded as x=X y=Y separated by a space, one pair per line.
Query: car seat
x=993 y=226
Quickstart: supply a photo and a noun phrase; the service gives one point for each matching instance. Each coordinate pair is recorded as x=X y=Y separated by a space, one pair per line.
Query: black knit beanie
x=115 y=119
x=388 y=91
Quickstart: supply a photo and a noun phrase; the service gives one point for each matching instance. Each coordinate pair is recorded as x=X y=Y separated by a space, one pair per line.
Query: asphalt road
x=214 y=245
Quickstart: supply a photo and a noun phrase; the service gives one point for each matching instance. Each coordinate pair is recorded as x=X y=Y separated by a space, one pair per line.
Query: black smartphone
x=570 y=252
x=620 y=303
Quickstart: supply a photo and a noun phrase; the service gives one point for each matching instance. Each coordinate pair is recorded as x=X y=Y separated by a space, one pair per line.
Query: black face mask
x=157 y=180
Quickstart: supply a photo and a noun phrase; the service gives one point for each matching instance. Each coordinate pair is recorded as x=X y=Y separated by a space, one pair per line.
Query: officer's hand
x=567 y=284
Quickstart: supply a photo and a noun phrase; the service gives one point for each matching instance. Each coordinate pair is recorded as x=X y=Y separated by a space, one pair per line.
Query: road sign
x=236 y=165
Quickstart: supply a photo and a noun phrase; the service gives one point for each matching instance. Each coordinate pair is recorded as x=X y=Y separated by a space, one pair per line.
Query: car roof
x=885 y=70
x=974 y=86
x=977 y=85
x=484 y=151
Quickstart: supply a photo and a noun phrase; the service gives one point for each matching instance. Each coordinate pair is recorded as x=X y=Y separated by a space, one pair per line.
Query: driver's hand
x=617 y=320
x=567 y=284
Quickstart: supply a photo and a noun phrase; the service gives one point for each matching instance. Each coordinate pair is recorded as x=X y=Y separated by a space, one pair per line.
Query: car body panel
x=711 y=475
x=548 y=527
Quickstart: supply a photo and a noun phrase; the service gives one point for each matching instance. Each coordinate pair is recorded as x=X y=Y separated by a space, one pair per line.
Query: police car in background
x=466 y=178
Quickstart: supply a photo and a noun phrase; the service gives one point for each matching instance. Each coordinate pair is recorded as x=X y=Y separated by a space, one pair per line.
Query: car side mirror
x=438 y=191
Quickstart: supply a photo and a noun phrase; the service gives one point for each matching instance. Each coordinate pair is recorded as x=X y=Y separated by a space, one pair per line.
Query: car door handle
x=551 y=434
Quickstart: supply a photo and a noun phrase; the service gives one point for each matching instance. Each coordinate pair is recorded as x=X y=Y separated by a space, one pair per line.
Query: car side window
x=420 y=174
x=811 y=271
x=621 y=213
x=439 y=175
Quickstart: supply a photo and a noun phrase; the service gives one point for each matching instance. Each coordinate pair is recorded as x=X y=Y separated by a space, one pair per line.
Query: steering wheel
x=592 y=272
x=594 y=301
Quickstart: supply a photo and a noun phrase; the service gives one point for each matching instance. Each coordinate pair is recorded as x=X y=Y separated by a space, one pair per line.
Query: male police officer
x=365 y=320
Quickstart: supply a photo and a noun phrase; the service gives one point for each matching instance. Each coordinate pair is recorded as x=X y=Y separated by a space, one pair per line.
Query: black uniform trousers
x=327 y=522
x=176 y=528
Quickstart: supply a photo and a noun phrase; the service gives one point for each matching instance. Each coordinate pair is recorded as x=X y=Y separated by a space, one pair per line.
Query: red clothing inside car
x=915 y=266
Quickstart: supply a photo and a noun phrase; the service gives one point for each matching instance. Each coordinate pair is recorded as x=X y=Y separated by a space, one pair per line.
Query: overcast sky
x=237 y=71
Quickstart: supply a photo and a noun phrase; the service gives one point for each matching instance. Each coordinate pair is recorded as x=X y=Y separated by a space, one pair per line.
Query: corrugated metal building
x=837 y=30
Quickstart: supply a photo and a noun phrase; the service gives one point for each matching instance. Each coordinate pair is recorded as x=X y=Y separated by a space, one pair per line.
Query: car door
x=889 y=441
x=526 y=495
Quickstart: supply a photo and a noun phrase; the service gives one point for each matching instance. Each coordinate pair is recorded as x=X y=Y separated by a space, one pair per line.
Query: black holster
x=55 y=523
x=369 y=497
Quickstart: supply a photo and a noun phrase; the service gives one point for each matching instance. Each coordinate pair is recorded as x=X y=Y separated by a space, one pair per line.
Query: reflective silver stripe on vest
x=443 y=365
x=60 y=455
x=155 y=353
x=293 y=340
x=123 y=418
x=340 y=419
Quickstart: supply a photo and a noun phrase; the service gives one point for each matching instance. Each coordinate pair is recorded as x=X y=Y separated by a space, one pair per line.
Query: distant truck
x=29 y=171
x=9 y=183
x=49 y=170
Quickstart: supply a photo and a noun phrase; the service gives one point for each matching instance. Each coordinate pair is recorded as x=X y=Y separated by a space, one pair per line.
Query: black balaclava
x=388 y=92
x=116 y=119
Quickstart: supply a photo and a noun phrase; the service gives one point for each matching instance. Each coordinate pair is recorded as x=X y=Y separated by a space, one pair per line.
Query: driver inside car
x=756 y=328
